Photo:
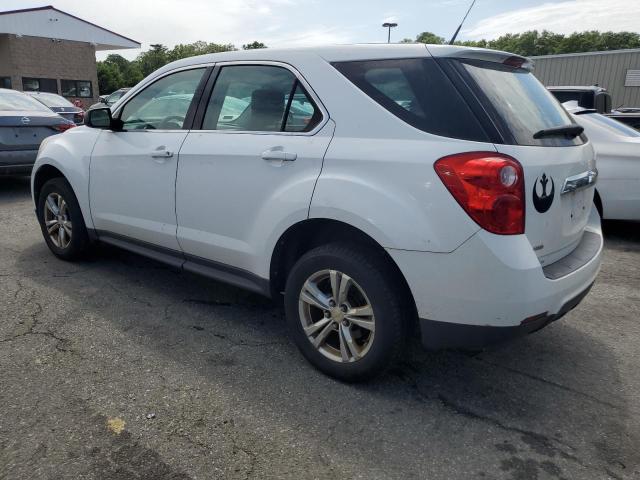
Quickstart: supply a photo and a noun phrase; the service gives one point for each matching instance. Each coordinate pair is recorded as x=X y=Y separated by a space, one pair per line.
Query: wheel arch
x=41 y=176
x=308 y=234
x=597 y=200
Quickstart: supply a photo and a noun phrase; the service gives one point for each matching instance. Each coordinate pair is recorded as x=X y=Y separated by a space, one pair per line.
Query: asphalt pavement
x=118 y=367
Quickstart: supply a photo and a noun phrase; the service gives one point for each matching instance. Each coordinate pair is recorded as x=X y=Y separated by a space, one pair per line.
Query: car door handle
x=161 y=154
x=279 y=155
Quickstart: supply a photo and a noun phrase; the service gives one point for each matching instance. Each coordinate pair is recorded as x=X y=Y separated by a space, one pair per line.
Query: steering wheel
x=174 y=122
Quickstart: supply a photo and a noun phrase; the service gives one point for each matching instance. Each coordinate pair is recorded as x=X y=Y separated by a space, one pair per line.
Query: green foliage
x=117 y=72
x=430 y=38
x=545 y=42
x=253 y=45
x=548 y=43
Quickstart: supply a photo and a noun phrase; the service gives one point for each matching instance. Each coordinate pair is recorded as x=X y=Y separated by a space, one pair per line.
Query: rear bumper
x=16 y=162
x=445 y=335
x=493 y=287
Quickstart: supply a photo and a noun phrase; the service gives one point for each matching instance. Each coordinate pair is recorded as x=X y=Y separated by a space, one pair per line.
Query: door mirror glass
x=98 y=118
x=164 y=104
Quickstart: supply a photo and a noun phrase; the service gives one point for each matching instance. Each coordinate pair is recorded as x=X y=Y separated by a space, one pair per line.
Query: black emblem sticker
x=543 y=202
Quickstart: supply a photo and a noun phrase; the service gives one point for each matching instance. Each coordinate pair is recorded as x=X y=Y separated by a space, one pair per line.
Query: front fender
x=70 y=153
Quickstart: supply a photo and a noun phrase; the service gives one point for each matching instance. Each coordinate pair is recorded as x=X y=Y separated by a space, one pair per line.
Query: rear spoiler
x=483 y=54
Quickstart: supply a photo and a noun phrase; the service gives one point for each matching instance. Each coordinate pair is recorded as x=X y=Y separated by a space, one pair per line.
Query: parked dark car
x=24 y=123
x=60 y=105
x=108 y=100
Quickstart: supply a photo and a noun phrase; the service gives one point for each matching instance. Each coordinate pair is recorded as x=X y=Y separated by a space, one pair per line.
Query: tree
x=548 y=43
x=109 y=77
x=153 y=59
x=197 y=48
x=253 y=45
x=428 y=37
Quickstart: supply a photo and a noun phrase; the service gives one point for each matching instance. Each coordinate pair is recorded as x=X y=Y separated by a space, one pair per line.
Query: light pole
x=389 y=26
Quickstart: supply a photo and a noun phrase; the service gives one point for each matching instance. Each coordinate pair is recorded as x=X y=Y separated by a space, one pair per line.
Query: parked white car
x=376 y=187
x=617 y=149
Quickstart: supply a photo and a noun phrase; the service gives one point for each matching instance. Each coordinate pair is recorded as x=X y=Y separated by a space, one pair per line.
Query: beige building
x=47 y=50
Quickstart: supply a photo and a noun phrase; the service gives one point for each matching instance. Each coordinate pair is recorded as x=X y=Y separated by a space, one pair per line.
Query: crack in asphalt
x=34 y=317
x=552 y=383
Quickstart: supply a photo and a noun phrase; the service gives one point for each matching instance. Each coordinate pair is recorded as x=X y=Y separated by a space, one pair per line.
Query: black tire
x=79 y=244
x=385 y=292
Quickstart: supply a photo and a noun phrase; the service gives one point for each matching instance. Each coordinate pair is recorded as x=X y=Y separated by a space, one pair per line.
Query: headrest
x=267 y=100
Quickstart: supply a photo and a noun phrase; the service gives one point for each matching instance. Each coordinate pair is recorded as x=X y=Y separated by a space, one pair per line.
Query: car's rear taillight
x=63 y=127
x=489 y=187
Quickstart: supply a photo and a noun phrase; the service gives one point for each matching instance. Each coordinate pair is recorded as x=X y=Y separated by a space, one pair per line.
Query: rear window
x=521 y=103
x=614 y=126
x=53 y=100
x=19 y=102
x=418 y=92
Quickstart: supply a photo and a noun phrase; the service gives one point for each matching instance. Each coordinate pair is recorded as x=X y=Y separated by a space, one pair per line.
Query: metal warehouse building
x=45 y=49
x=617 y=70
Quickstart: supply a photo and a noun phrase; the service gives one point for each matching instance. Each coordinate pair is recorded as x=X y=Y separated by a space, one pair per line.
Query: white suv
x=384 y=190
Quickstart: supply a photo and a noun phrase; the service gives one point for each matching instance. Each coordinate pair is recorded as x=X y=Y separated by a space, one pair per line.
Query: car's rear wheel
x=345 y=311
x=61 y=220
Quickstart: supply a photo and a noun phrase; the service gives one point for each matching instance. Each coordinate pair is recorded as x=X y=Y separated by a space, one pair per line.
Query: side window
x=258 y=98
x=163 y=105
x=418 y=92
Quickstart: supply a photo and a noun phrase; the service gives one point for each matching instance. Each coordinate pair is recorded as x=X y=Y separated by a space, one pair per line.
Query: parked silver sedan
x=24 y=123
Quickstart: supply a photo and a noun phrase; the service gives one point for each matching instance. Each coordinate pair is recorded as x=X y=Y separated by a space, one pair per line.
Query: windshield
x=115 y=96
x=19 y=102
x=522 y=103
x=51 y=100
x=614 y=126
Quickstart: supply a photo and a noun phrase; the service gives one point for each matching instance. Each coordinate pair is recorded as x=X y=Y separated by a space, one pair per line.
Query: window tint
x=522 y=103
x=257 y=98
x=164 y=104
x=20 y=102
x=51 y=100
x=76 y=88
x=40 y=85
x=418 y=92
x=614 y=126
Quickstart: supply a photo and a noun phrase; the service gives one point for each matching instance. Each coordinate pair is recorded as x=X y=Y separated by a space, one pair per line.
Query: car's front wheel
x=345 y=311
x=61 y=220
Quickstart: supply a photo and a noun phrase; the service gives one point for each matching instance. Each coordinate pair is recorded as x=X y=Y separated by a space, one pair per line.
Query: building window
x=5 y=82
x=76 y=88
x=49 y=85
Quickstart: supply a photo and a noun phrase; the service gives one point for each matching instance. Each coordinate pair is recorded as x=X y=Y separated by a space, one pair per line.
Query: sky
x=280 y=23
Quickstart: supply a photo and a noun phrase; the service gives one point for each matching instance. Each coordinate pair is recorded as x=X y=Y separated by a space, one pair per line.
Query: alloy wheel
x=337 y=316
x=57 y=220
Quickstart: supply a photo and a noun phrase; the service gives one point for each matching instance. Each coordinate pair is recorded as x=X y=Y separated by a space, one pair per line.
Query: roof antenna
x=455 y=35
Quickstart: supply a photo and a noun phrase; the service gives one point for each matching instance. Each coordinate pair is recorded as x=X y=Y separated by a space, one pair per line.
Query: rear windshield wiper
x=570 y=131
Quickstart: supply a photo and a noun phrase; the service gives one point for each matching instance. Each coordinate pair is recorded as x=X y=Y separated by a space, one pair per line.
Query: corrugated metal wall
x=607 y=70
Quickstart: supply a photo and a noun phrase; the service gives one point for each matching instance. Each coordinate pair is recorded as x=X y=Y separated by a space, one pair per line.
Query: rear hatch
x=528 y=123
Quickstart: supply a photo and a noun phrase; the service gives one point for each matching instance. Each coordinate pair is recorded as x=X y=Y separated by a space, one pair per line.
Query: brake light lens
x=63 y=127
x=489 y=187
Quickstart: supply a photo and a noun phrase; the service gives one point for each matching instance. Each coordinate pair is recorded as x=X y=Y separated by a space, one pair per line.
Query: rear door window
x=519 y=102
x=260 y=98
x=418 y=92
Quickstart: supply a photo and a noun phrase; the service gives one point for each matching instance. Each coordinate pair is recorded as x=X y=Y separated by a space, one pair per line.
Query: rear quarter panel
x=70 y=152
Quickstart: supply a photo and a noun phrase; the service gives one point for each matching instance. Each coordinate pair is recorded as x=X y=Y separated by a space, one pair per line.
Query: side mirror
x=99 y=118
x=103 y=99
